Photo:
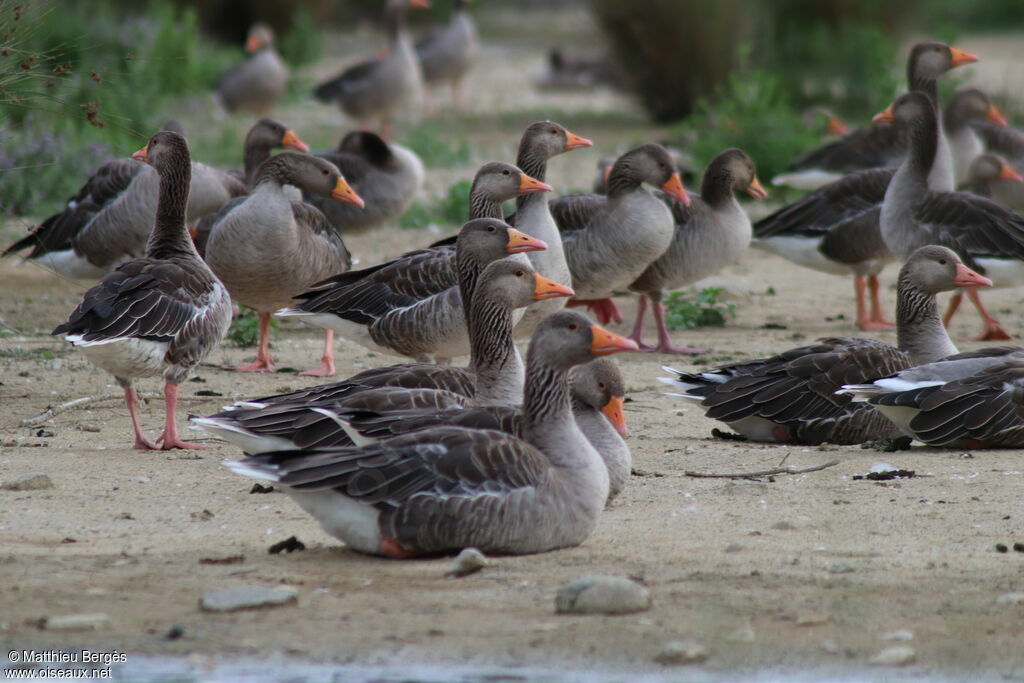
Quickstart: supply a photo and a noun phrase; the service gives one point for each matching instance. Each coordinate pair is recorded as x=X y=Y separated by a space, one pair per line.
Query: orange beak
x=965 y=277
x=142 y=154
x=421 y=4
x=290 y=139
x=528 y=185
x=674 y=188
x=605 y=342
x=544 y=288
x=518 y=242
x=252 y=43
x=960 y=57
x=836 y=126
x=884 y=116
x=343 y=192
x=993 y=115
x=573 y=141
x=613 y=410
x=756 y=191
x=1006 y=172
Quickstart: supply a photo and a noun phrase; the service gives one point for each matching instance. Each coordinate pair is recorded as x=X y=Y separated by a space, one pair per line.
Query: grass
x=434 y=150
x=245 y=329
x=451 y=209
x=686 y=310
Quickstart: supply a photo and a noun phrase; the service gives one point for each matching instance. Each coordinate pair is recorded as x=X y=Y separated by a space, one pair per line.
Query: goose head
x=990 y=168
x=489 y=239
x=971 y=104
x=931 y=59
x=908 y=108
x=651 y=163
x=514 y=285
x=367 y=145
x=498 y=181
x=599 y=385
x=260 y=36
x=312 y=174
x=737 y=171
x=545 y=139
x=270 y=133
x=935 y=269
x=566 y=338
x=163 y=149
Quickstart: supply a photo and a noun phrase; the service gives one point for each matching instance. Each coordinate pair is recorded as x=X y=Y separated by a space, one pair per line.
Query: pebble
x=894 y=656
x=682 y=652
x=469 y=561
x=33 y=481
x=141 y=479
x=902 y=634
x=812 y=620
x=601 y=594
x=1010 y=599
x=840 y=568
x=784 y=525
x=744 y=634
x=231 y=599
x=75 y=622
x=734 y=547
x=830 y=646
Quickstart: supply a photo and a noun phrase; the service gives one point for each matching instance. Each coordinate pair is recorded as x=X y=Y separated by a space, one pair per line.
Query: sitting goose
x=984 y=233
x=992 y=176
x=354 y=303
x=447 y=54
x=163 y=313
x=790 y=398
x=882 y=146
x=265 y=135
x=270 y=247
x=711 y=233
x=463 y=487
x=380 y=87
x=967 y=107
x=259 y=82
x=620 y=234
x=387 y=176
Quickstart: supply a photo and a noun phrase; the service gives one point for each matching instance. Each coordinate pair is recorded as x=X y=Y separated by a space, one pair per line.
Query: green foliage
x=434 y=151
x=245 y=329
x=685 y=310
x=452 y=209
x=304 y=43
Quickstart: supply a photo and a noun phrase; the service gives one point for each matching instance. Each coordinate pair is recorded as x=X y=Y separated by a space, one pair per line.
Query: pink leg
x=131 y=399
x=263 y=362
x=170 y=439
x=604 y=310
x=638 y=327
x=954 y=306
x=665 y=344
x=877 y=316
x=326 y=367
x=992 y=331
x=864 y=320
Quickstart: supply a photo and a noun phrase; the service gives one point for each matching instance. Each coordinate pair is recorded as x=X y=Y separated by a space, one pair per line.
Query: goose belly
x=124 y=357
x=802 y=251
x=353 y=522
x=811 y=179
x=69 y=264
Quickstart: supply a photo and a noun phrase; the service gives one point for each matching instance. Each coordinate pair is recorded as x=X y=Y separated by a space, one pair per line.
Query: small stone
x=840 y=568
x=1018 y=547
x=469 y=561
x=289 y=545
x=203 y=515
x=830 y=646
x=682 y=652
x=75 y=622
x=175 y=633
x=812 y=620
x=33 y=481
x=142 y=479
x=894 y=656
x=784 y=525
x=902 y=634
x=1001 y=548
x=1010 y=599
x=744 y=634
x=232 y=599
x=600 y=594
x=734 y=547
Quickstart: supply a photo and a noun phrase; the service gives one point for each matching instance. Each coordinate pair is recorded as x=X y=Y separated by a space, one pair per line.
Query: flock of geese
x=515 y=456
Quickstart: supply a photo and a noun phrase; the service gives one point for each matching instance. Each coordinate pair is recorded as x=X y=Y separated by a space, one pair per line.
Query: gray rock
x=894 y=656
x=469 y=561
x=784 y=525
x=901 y=634
x=682 y=652
x=1010 y=599
x=75 y=622
x=232 y=599
x=33 y=481
x=600 y=594
x=734 y=547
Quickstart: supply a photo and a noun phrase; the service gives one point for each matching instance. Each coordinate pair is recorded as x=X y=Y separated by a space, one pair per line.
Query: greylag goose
x=970 y=400
x=265 y=135
x=991 y=176
x=379 y=88
x=621 y=234
x=160 y=314
x=447 y=54
x=440 y=490
x=988 y=236
x=373 y=306
x=882 y=146
x=270 y=247
x=790 y=398
x=710 y=233
x=386 y=176
x=257 y=83
x=966 y=108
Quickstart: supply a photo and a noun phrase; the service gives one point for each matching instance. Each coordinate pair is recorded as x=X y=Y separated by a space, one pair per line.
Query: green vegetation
x=450 y=210
x=686 y=310
x=245 y=329
x=434 y=150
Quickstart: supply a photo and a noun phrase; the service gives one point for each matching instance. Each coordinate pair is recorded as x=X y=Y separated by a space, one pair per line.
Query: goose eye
x=554 y=131
x=326 y=172
x=505 y=172
x=519 y=273
x=490 y=228
x=573 y=327
x=600 y=385
x=942 y=261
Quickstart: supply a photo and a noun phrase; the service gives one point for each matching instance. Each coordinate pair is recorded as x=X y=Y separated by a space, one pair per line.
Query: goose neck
x=170 y=236
x=924 y=143
x=919 y=329
x=534 y=165
x=492 y=352
x=716 y=188
x=255 y=153
x=547 y=409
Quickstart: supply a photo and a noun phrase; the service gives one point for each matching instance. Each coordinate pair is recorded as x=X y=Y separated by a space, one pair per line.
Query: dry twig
x=762 y=473
x=88 y=400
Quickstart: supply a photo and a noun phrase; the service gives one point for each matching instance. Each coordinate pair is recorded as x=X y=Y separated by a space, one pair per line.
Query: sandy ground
x=778 y=576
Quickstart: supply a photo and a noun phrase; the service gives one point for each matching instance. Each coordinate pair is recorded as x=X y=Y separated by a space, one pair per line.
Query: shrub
x=685 y=310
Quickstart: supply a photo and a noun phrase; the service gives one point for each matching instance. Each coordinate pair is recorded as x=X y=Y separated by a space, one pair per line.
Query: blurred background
x=83 y=81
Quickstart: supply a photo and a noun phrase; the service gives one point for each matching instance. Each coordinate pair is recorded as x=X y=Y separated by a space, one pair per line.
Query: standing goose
x=355 y=304
x=447 y=54
x=387 y=176
x=790 y=398
x=163 y=313
x=966 y=108
x=710 y=233
x=444 y=489
x=992 y=176
x=380 y=87
x=265 y=135
x=882 y=146
x=620 y=234
x=271 y=247
x=257 y=83
x=987 y=235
